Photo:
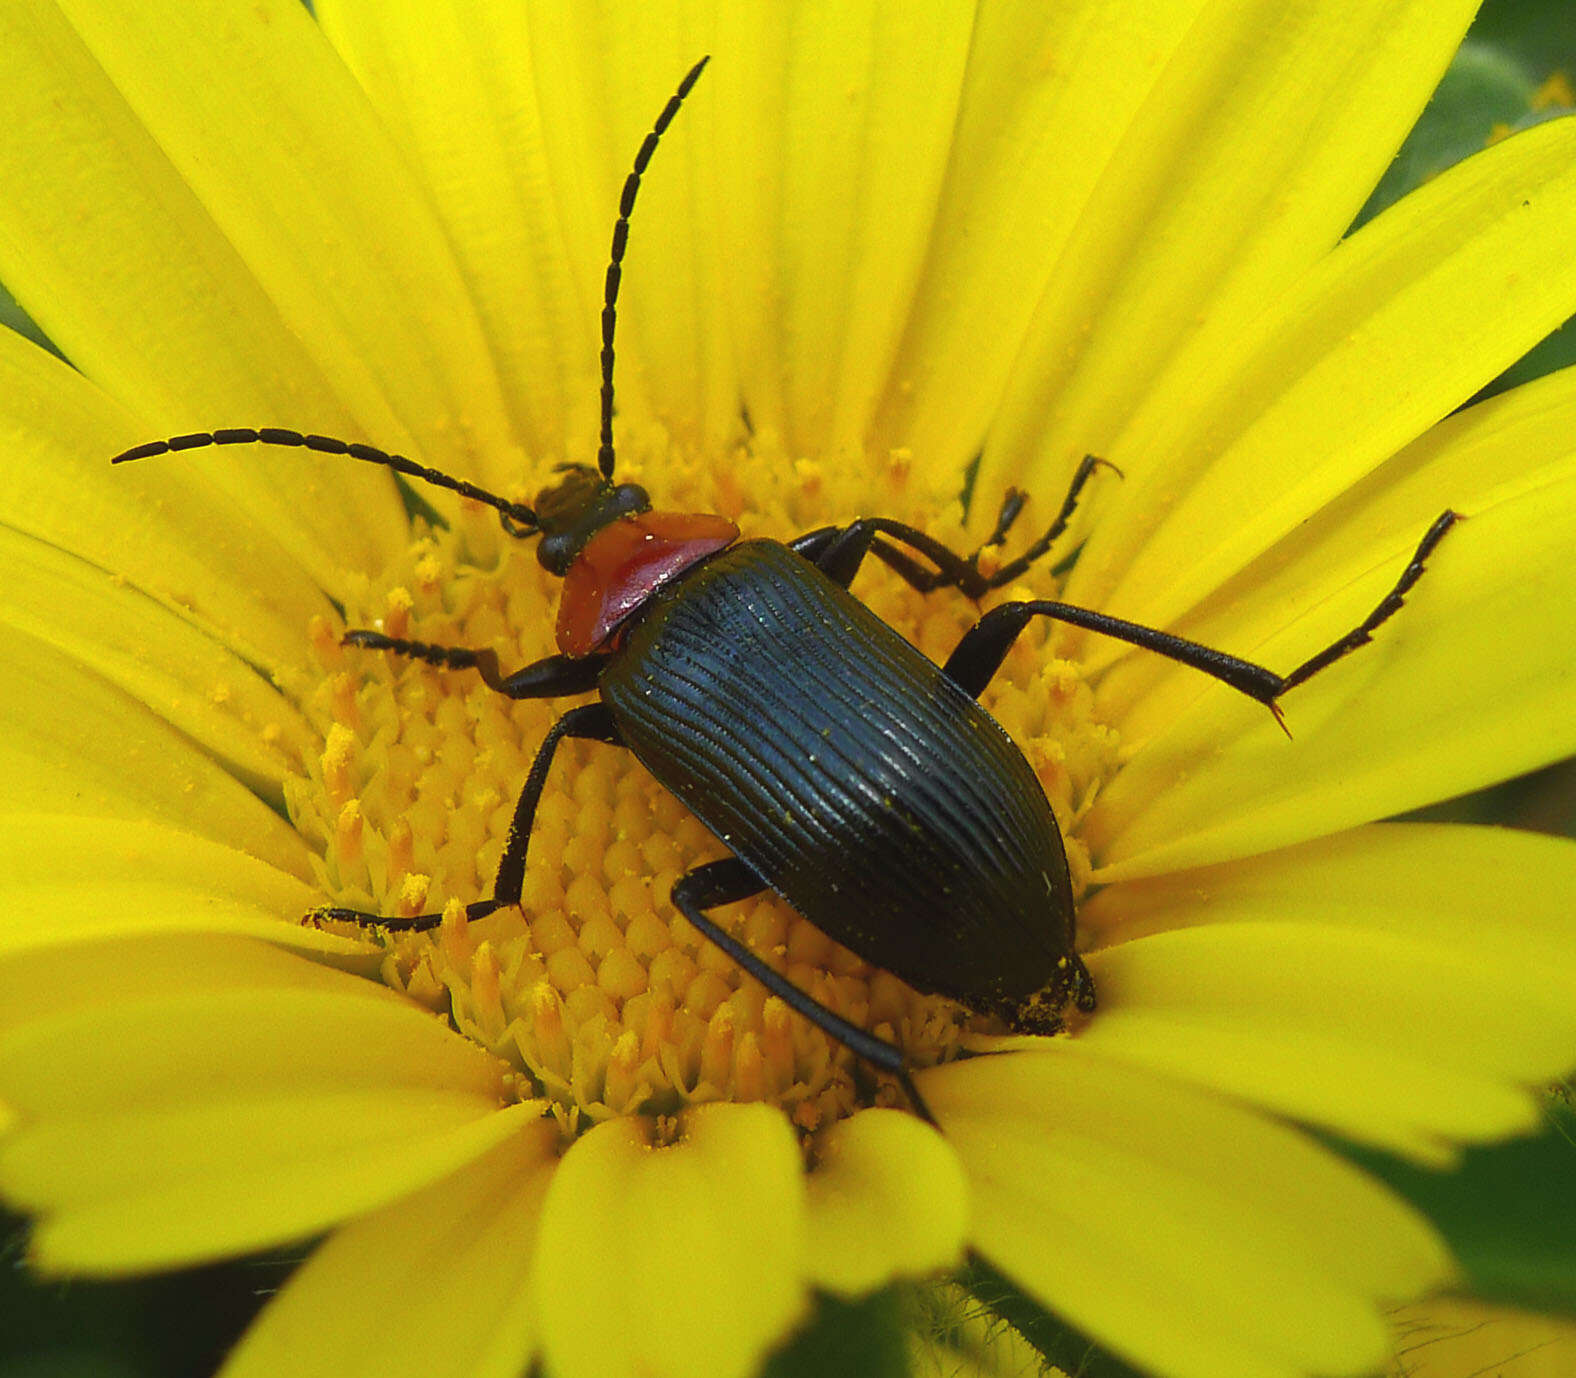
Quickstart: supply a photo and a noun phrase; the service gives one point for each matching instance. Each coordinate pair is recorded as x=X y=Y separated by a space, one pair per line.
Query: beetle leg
x=548 y=678
x=1013 y=569
x=839 y=552
x=814 y=543
x=729 y=880
x=977 y=657
x=591 y=722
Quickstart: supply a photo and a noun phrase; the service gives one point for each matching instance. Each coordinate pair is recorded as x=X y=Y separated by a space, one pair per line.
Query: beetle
x=844 y=770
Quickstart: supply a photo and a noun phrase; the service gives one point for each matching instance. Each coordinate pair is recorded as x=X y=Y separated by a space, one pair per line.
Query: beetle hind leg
x=977 y=657
x=727 y=881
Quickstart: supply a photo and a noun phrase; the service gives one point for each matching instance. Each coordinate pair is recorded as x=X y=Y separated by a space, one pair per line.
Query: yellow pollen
x=602 y=997
x=347 y=833
x=338 y=758
x=413 y=895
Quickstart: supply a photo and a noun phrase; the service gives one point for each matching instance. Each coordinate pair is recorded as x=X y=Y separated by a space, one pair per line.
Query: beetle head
x=573 y=510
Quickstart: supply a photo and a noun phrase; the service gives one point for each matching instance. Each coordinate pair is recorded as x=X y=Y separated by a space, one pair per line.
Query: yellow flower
x=879 y=243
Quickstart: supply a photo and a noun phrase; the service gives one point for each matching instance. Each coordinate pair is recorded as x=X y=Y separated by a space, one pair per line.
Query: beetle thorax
x=626 y=562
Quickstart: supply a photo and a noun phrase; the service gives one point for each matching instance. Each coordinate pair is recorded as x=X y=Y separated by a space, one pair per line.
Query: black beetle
x=843 y=769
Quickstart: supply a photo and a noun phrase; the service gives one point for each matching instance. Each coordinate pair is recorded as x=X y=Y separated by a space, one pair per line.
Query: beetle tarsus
x=1387 y=607
x=393 y=923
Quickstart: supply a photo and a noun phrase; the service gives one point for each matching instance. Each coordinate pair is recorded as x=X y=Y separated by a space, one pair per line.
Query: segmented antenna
x=518 y=513
x=518 y=519
x=626 y=203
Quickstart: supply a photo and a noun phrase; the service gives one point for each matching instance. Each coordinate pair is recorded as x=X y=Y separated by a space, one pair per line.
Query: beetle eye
x=556 y=553
x=628 y=498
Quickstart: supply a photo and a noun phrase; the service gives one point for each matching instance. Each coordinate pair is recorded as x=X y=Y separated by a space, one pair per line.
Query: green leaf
x=859 y=1339
x=13 y=317
x=1542 y=33
x=1508 y=1212
x=177 y=1325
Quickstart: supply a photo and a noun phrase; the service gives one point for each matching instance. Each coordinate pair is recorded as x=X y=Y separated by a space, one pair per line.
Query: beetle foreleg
x=730 y=880
x=548 y=678
x=839 y=552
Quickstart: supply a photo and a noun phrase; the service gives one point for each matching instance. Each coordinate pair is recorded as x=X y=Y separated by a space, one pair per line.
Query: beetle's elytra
x=845 y=771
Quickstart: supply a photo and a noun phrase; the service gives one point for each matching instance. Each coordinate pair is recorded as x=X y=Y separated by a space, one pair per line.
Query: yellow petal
x=1378 y=925
x=779 y=231
x=680 y=1259
x=80 y=879
x=1188 y=1235
x=169 y=1188
x=1256 y=146
x=833 y=139
x=1048 y=94
x=110 y=1026
x=168 y=244
x=886 y=1197
x=1469 y=684
x=1385 y=1038
x=1395 y=328
x=1467 y=889
x=334 y=230
x=310 y=1096
x=197 y=684
x=162 y=528
x=435 y=1283
x=579 y=85
x=76 y=744
x=455 y=85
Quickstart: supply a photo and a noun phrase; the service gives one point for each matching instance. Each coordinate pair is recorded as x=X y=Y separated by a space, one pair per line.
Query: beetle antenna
x=626 y=203
x=518 y=518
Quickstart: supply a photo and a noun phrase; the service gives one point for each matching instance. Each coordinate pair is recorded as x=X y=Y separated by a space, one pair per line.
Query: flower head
x=874 y=252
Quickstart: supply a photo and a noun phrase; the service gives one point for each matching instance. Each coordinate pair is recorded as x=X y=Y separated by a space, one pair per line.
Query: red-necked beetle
x=842 y=768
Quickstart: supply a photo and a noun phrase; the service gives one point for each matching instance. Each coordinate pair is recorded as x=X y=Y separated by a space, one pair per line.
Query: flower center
x=594 y=987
